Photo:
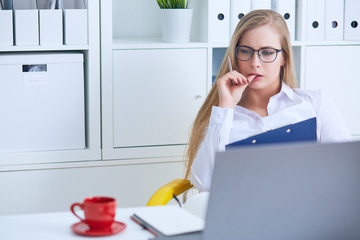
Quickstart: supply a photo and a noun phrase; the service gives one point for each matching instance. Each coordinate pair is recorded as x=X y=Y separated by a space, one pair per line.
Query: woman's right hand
x=231 y=87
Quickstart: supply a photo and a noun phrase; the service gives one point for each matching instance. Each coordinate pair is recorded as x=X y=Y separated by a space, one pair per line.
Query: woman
x=257 y=95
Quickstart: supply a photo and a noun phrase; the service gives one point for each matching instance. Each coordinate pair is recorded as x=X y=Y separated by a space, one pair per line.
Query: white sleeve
x=333 y=127
x=217 y=136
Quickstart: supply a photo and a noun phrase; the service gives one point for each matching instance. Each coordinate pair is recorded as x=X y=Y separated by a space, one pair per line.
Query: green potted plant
x=173 y=3
x=176 y=20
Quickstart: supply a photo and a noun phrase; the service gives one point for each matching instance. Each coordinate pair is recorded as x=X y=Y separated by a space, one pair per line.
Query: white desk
x=57 y=226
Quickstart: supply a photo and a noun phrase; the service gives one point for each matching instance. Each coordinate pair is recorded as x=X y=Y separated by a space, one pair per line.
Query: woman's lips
x=257 y=76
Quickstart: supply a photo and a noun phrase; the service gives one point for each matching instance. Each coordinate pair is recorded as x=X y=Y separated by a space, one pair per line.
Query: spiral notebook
x=297 y=132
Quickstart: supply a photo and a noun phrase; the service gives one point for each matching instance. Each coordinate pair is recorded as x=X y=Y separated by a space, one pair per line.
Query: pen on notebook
x=230 y=67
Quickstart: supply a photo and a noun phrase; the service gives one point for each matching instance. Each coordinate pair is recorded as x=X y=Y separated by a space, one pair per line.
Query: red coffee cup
x=99 y=212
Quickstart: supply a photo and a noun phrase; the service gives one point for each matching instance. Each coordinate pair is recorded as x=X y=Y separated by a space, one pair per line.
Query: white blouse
x=287 y=107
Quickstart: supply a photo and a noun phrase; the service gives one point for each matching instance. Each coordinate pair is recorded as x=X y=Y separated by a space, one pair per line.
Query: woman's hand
x=231 y=87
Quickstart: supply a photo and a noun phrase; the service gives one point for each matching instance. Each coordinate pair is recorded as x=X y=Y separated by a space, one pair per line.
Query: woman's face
x=268 y=74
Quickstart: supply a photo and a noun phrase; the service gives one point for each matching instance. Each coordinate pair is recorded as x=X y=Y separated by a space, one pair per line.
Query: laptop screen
x=290 y=191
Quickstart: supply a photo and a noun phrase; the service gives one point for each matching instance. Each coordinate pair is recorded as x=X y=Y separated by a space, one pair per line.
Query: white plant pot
x=176 y=25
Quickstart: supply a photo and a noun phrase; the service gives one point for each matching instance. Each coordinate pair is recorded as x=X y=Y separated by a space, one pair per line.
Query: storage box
x=6 y=28
x=41 y=102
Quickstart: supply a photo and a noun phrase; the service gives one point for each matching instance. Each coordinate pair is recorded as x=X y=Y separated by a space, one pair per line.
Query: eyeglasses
x=267 y=55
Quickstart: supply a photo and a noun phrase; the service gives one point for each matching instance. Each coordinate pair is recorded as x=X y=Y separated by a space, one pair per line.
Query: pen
x=230 y=67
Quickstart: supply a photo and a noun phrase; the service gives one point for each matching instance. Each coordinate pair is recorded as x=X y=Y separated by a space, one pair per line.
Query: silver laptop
x=291 y=191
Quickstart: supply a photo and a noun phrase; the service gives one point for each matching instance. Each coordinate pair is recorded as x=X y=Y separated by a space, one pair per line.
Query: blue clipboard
x=301 y=131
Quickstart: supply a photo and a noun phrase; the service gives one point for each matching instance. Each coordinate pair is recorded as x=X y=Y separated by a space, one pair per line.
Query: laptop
x=290 y=191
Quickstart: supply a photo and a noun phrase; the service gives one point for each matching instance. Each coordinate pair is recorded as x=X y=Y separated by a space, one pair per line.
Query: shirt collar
x=287 y=90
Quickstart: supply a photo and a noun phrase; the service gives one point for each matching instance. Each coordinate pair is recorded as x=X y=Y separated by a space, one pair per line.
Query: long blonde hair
x=251 y=20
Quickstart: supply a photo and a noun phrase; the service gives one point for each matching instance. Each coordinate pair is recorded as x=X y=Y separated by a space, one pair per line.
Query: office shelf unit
x=91 y=52
x=133 y=56
x=139 y=107
x=151 y=91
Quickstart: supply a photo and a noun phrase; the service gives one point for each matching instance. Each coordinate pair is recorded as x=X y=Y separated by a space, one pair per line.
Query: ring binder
x=287 y=9
x=352 y=20
x=315 y=29
x=334 y=20
x=219 y=20
x=239 y=8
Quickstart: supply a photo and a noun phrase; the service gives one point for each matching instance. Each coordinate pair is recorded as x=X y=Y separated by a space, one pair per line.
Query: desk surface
x=57 y=226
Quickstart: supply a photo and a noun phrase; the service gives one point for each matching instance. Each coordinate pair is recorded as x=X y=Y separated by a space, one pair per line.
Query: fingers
x=236 y=78
x=250 y=78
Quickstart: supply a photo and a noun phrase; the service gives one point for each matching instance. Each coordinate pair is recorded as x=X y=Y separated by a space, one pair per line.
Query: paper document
x=168 y=220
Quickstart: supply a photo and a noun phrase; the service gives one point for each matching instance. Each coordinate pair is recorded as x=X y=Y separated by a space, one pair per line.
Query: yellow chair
x=164 y=194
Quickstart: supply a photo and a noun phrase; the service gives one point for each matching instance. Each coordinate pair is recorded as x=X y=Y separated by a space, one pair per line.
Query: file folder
x=315 y=19
x=287 y=9
x=50 y=23
x=26 y=22
x=334 y=20
x=6 y=27
x=260 y=4
x=219 y=20
x=238 y=9
x=352 y=20
x=301 y=131
x=75 y=23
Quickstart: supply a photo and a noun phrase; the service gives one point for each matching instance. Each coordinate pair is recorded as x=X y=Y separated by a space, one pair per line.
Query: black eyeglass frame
x=258 y=51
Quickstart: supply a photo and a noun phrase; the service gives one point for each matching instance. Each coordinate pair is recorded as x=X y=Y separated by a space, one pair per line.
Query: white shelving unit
x=151 y=90
x=91 y=51
x=133 y=119
x=134 y=27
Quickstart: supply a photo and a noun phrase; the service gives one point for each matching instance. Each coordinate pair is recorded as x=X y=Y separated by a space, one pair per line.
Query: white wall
x=55 y=189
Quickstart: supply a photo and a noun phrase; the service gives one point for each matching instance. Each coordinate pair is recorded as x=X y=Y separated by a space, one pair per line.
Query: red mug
x=99 y=212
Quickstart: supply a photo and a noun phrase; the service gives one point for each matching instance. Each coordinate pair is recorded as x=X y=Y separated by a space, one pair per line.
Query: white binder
x=26 y=23
x=6 y=27
x=352 y=20
x=315 y=19
x=219 y=20
x=75 y=21
x=238 y=8
x=334 y=20
x=287 y=9
x=260 y=4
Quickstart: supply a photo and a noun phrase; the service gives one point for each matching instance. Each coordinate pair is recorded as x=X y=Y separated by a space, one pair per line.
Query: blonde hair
x=251 y=20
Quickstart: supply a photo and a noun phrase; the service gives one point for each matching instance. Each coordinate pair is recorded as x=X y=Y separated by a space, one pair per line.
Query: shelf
x=156 y=42
x=332 y=43
x=324 y=43
x=42 y=48
x=86 y=164
x=144 y=43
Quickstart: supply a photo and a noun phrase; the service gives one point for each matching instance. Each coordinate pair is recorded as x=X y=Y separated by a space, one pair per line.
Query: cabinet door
x=335 y=70
x=157 y=93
